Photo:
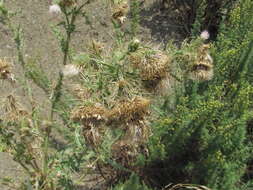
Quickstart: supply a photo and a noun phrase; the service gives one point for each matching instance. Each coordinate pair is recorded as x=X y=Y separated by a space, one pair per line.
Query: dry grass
x=13 y=110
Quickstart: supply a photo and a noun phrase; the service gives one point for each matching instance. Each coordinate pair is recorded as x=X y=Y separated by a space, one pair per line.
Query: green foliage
x=34 y=72
x=233 y=40
x=132 y=184
x=135 y=13
x=204 y=138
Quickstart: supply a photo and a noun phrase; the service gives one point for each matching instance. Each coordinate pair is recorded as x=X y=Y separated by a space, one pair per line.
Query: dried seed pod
x=120 y=11
x=153 y=66
x=90 y=115
x=202 y=71
x=130 y=110
x=135 y=58
x=5 y=70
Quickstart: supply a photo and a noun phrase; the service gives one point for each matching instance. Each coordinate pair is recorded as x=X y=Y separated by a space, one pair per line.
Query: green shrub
x=198 y=15
x=132 y=184
x=203 y=140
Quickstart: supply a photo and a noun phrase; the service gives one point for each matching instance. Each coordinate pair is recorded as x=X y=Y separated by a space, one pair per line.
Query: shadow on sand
x=163 y=27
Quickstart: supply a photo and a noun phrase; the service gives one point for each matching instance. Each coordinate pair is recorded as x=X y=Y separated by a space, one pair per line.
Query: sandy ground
x=40 y=44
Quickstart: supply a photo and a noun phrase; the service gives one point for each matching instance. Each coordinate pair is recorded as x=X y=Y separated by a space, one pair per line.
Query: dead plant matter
x=92 y=118
x=154 y=66
x=5 y=70
x=129 y=115
x=90 y=115
x=185 y=186
x=154 y=70
x=120 y=11
x=130 y=110
x=12 y=110
x=202 y=68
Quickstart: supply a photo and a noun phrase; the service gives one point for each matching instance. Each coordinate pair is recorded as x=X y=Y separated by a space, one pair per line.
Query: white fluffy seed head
x=205 y=35
x=70 y=70
x=54 y=9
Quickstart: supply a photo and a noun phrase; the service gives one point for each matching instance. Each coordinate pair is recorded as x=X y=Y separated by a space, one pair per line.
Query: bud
x=134 y=45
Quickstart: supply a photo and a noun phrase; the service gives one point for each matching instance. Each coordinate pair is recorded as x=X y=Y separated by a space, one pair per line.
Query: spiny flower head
x=89 y=115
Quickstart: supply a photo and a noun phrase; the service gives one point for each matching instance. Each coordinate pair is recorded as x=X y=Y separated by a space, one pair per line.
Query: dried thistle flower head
x=154 y=66
x=154 y=70
x=130 y=110
x=5 y=71
x=120 y=11
x=135 y=58
x=202 y=69
x=90 y=115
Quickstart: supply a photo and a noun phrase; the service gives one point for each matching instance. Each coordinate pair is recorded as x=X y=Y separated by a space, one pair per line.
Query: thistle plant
x=24 y=134
x=71 y=10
